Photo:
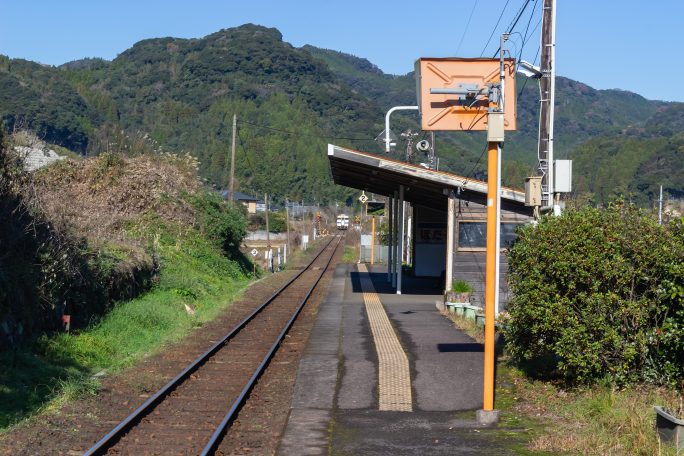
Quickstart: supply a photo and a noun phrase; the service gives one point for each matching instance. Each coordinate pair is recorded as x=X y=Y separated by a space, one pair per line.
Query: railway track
x=193 y=411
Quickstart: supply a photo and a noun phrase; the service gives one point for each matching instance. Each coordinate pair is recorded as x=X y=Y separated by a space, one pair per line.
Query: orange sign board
x=454 y=93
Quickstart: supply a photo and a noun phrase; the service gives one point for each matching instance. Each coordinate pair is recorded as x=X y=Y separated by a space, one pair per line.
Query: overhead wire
x=472 y=170
x=465 y=30
x=514 y=23
x=244 y=149
x=534 y=62
x=524 y=38
x=494 y=29
x=527 y=28
x=294 y=133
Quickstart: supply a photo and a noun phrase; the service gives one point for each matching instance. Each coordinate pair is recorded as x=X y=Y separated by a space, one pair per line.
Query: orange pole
x=490 y=278
x=373 y=240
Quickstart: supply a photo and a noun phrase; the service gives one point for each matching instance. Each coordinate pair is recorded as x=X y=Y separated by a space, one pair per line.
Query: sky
x=607 y=44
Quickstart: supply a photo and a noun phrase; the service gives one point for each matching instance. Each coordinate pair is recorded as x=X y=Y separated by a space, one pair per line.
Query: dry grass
x=97 y=197
x=466 y=325
x=600 y=420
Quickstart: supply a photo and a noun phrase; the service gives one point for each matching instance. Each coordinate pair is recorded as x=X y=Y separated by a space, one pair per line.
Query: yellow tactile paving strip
x=394 y=376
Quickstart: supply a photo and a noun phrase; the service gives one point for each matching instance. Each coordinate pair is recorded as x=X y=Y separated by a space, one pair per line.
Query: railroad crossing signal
x=254 y=252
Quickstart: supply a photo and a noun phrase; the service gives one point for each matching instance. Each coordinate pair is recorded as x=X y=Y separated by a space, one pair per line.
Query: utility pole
x=268 y=236
x=547 y=86
x=287 y=227
x=268 y=232
x=373 y=240
x=660 y=207
x=232 y=161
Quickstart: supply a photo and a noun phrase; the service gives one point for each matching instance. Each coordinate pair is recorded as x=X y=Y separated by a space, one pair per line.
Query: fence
x=380 y=254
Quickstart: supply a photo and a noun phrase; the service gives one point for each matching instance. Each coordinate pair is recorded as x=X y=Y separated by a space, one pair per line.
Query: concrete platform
x=335 y=404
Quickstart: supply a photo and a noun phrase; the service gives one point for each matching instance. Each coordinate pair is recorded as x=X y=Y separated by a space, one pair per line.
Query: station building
x=449 y=213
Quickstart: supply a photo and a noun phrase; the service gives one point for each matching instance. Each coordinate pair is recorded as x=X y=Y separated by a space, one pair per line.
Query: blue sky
x=607 y=44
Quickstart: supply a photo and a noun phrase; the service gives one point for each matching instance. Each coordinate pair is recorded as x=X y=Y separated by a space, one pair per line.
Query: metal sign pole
x=372 y=259
x=495 y=140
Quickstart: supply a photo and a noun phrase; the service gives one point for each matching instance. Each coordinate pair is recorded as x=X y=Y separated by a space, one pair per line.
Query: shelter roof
x=381 y=175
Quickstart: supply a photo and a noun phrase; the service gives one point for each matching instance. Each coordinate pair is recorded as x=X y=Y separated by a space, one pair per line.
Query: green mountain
x=179 y=95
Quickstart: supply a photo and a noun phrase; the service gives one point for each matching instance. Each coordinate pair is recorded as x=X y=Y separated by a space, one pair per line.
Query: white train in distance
x=342 y=222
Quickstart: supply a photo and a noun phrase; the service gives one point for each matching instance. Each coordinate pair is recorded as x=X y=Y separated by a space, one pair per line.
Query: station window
x=473 y=235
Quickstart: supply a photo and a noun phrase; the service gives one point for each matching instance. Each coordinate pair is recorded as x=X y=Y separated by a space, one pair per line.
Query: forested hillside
x=180 y=94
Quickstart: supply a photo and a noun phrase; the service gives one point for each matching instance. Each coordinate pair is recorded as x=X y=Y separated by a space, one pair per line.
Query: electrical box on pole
x=496 y=128
x=533 y=191
x=562 y=171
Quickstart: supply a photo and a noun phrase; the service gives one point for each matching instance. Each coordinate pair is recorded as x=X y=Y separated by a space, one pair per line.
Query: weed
x=591 y=420
x=349 y=255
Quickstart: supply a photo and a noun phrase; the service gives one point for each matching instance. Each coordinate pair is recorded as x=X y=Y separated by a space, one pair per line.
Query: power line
x=465 y=30
x=244 y=149
x=294 y=133
x=470 y=174
x=525 y=35
x=495 y=27
x=533 y=63
x=514 y=23
x=525 y=40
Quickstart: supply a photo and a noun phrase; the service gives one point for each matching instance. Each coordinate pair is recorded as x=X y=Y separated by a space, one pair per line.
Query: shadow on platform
x=410 y=285
x=460 y=348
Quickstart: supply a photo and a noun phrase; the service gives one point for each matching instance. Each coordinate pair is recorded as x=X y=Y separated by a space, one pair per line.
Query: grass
x=194 y=275
x=350 y=254
x=597 y=420
x=601 y=419
x=467 y=325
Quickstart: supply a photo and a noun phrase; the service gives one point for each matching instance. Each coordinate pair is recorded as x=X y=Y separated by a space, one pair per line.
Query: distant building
x=250 y=202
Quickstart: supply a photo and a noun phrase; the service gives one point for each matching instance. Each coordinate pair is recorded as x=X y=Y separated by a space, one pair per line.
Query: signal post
x=466 y=95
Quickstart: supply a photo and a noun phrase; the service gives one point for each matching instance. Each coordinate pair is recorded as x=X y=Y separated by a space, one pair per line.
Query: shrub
x=599 y=293
x=461 y=286
x=223 y=225
x=276 y=222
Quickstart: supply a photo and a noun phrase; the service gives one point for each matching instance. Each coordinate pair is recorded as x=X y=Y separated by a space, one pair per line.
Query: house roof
x=239 y=196
x=381 y=175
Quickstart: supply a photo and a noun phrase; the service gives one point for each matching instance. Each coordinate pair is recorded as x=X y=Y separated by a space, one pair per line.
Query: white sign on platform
x=254 y=252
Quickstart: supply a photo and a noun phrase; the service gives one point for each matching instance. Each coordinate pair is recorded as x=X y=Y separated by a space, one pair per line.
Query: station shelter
x=450 y=218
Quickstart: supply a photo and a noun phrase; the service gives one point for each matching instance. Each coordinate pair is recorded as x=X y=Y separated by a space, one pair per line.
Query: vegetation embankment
x=157 y=256
x=594 y=331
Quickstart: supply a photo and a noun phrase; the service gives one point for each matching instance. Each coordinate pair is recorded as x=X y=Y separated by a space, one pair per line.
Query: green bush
x=599 y=294
x=223 y=225
x=276 y=222
x=461 y=286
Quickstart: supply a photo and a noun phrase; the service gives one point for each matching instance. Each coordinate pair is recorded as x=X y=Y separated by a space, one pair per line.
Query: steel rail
x=131 y=420
x=217 y=436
